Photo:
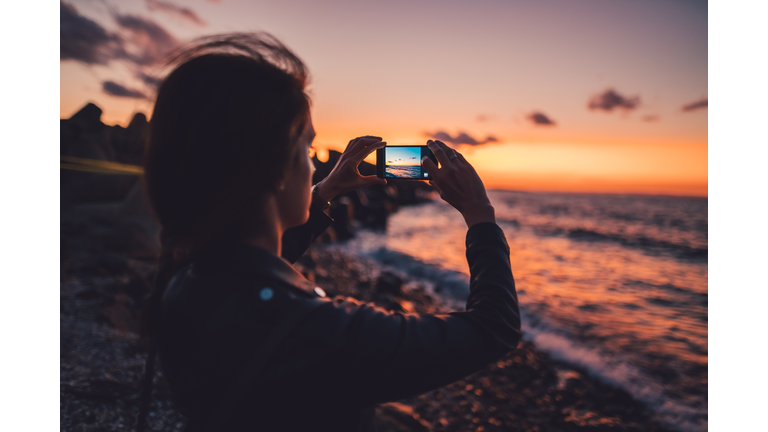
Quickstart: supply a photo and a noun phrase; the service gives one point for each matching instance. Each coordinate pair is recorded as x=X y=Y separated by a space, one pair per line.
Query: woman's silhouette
x=246 y=342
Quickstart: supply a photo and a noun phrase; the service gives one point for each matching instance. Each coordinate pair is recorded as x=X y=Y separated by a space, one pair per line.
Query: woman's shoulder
x=216 y=290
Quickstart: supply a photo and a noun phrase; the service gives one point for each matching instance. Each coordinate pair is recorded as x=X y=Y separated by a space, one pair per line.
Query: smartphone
x=403 y=162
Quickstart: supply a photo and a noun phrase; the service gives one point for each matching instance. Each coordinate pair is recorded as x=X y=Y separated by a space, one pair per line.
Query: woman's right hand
x=458 y=184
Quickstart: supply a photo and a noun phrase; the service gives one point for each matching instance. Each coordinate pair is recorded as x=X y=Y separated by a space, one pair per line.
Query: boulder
x=397 y=417
x=389 y=283
x=85 y=136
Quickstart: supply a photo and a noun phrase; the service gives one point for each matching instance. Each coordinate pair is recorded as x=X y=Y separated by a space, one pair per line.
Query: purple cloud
x=610 y=100
x=84 y=40
x=650 y=118
x=149 y=80
x=693 y=106
x=114 y=89
x=179 y=11
x=148 y=41
x=461 y=138
x=540 y=119
x=140 y=41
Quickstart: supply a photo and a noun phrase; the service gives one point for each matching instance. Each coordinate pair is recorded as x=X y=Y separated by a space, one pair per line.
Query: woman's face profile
x=294 y=200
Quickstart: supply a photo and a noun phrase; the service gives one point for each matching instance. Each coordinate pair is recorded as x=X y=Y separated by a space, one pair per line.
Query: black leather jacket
x=344 y=358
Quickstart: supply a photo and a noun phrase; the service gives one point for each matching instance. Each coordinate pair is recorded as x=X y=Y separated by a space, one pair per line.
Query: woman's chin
x=298 y=220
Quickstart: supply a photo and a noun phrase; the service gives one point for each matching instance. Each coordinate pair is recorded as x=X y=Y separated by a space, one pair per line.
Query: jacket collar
x=242 y=257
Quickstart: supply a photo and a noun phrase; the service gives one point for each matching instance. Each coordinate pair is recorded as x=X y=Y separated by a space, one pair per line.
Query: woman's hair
x=225 y=127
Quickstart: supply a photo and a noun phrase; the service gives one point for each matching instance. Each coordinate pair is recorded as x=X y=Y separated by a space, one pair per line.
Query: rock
x=122 y=315
x=85 y=136
x=105 y=264
x=129 y=143
x=397 y=417
x=389 y=283
x=126 y=228
x=88 y=119
x=137 y=288
x=389 y=303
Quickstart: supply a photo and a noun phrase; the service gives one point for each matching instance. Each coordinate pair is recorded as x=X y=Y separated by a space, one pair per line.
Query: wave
x=450 y=286
x=615 y=371
x=635 y=372
x=648 y=245
x=645 y=243
x=687 y=295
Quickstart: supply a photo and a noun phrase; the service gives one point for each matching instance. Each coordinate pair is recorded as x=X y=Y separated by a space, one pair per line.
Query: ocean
x=403 y=171
x=613 y=284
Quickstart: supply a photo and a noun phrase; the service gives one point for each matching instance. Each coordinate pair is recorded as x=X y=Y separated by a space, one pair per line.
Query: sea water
x=613 y=284
x=403 y=171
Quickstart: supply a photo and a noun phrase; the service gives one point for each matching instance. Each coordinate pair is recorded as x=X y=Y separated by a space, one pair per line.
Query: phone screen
x=405 y=162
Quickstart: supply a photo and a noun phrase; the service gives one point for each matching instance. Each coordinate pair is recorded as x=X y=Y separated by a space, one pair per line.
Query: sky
x=410 y=156
x=550 y=95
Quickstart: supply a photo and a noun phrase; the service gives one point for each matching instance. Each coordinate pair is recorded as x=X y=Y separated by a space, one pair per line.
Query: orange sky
x=409 y=70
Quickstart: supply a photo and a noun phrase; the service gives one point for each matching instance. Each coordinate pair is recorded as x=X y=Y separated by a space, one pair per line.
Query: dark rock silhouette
x=388 y=283
x=116 y=206
x=85 y=136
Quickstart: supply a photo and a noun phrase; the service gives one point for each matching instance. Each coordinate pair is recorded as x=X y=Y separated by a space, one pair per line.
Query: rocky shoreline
x=102 y=359
x=108 y=244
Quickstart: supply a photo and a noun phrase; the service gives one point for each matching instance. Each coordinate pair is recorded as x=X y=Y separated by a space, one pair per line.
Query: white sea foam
x=618 y=372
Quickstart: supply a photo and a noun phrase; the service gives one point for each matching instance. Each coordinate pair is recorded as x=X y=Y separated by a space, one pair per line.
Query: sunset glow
x=408 y=156
x=599 y=96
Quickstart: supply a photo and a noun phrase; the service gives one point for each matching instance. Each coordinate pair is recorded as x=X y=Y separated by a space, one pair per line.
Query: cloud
x=140 y=41
x=610 y=100
x=83 y=40
x=540 y=119
x=149 y=79
x=650 y=118
x=693 y=106
x=461 y=138
x=146 y=42
x=115 y=89
x=179 y=11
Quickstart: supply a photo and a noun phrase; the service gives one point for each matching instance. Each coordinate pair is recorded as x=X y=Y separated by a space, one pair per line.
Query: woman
x=246 y=342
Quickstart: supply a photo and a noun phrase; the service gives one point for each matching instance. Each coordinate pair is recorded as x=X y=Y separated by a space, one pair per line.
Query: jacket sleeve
x=373 y=356
x=296 y=240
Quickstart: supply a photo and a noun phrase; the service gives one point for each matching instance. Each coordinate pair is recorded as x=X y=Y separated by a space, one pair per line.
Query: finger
x=462 y=160
x=430 y=167
x=363 y=153
x=438 y=152
x=350 y=144
x=363 y=148
x=362 y=144
x=448 y=150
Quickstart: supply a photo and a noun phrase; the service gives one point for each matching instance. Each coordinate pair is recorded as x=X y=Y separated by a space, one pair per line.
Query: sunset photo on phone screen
x=402 y=162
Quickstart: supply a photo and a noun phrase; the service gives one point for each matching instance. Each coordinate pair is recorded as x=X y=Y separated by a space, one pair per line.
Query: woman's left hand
x=345 y=176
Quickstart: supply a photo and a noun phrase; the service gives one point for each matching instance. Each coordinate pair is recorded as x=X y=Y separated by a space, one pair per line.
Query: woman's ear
x=280 y=185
